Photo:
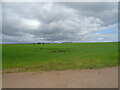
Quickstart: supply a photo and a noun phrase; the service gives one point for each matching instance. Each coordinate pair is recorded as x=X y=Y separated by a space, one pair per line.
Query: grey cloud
x=29 y=22
x=99 y=10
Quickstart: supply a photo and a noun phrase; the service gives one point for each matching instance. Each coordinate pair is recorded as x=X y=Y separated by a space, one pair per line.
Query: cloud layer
x=53 y=21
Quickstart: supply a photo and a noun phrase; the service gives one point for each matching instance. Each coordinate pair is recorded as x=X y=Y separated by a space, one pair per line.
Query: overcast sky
x=54 y=21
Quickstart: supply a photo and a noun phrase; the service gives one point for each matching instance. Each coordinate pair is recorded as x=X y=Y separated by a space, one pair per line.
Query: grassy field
x=0 y=56
x=43 y=57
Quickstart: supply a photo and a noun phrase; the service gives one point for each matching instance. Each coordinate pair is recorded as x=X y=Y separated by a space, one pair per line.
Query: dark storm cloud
x=35 y=22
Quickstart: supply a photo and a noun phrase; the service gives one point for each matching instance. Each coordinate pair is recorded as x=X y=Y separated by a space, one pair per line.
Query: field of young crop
x=43 y=57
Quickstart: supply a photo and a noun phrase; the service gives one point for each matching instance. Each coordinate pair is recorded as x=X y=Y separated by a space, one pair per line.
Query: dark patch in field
x=56 y=50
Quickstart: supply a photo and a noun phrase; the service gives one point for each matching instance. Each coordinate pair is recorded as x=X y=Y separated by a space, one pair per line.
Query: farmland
x=63 y=56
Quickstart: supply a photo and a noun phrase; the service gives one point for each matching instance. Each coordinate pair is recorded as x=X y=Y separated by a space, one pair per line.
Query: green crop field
x=43 y=57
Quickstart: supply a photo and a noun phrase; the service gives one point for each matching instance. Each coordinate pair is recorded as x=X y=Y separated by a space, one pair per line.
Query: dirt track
x=86 y=78
x=0 y=79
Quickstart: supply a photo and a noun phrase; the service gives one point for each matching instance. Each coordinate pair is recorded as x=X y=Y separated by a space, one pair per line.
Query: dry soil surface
x=0 y=79
x=85 y=78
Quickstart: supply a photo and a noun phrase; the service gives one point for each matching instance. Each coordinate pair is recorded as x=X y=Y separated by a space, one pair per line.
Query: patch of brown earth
x=0 y=79
x=86 y=78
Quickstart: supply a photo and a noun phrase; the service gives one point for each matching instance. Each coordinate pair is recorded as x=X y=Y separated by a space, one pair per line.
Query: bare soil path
x=85 y=78
x=0 y=79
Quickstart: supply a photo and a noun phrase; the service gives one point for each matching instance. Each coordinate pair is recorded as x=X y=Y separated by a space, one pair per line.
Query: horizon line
x=45 y=42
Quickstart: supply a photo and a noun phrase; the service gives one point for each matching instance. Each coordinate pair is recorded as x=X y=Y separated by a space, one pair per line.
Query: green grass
x=45 y=57
x=0 y=56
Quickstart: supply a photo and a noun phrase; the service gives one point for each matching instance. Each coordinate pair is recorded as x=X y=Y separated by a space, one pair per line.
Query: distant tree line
x=50 y=42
